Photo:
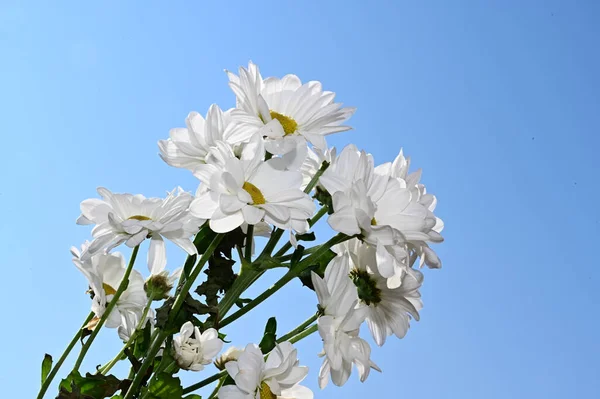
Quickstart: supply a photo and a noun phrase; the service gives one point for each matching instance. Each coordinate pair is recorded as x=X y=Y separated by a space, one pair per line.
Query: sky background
x=497 y=101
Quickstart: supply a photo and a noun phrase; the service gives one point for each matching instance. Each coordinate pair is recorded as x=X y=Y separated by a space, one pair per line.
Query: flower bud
x=232 y=353
x=158 y=286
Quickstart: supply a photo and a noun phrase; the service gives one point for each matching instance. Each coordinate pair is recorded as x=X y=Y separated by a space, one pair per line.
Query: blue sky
x=496 y=101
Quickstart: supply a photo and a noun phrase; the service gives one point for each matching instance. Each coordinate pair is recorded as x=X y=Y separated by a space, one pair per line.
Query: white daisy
x=251 y=190
x=339 y=325
x=284 y=111
x=407 y=207
x=130 y=219
x=202 y=141
x=104 y=273
x=278 y=377
x=193 y=350
x=388 y=311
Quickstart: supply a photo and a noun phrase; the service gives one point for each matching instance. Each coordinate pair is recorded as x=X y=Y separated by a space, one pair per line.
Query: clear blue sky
x=498 y=102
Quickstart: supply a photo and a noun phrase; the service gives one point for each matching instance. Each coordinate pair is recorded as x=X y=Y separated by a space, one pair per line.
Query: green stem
x=111 y=305
x=216 y=390
x=132 y=338
x=304 y=334
x=62 y=359
x=289 y=276
x=194 y=275
x=298 y=329
x=205 y=382
x=157 y=342
x=154 y=348
x=259 y=299
x=249 y=234
x=246 y=278
x=313 y=182
x=308 y=251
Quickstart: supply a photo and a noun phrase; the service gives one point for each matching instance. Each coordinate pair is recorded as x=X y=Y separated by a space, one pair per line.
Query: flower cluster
x=262 y=168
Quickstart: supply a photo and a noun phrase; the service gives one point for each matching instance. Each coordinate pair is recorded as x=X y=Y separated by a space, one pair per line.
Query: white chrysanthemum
x=284 y=111
x=278 y=377
x=413 y=214
x=250 y=190
x=192 y=350
x=384 y=209
x=339 y=325
x=104 y=273
x=130 y=219
x=388 y=311
x=202 y=141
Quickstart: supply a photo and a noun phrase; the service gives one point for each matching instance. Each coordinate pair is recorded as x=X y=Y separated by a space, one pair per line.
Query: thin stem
x=154 y=348
x=313 y=182
x=259 y=299
x=298 y=329
x=132 y=338
x=310 y=250
x=216 y=390
x=304 y=334
x=63 y=357
x=204 y=382
x=249 y=234
x=111 y=305
x=289 y=276
x=157 y=342
x=246 y=278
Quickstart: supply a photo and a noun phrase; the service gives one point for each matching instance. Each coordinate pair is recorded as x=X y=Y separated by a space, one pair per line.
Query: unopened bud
x=158 y=286
x=232 y=353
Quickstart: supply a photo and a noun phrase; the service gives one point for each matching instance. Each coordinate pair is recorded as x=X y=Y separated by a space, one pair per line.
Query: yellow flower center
x=373 y=221
x=289 y=124
x=257 y=197
x=138 y=217
x=265 y=392
x=108 y=289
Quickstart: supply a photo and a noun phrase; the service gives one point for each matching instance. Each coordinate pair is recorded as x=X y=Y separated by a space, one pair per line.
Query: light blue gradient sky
x=497 y=101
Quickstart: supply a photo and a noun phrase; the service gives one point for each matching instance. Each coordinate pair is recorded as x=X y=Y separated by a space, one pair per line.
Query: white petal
x=157 y=255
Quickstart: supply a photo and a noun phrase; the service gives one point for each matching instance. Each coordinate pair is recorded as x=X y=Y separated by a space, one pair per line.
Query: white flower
x=192 y=350
x=200 y=142
x=387 y=211
x=284 y=111
x=407 y=207
x=388 y=311
x=160 y=285
x=339 y=325
x=104 y=273
x=130 y=219
x=251 y=190
x=278 y=377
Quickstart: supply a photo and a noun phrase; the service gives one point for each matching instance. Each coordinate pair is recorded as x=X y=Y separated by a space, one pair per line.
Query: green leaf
x=187 y=311
x=46 y=366
x=242 y=301
x=317 y=267
x=297 y=256
x=324 y=199
x=92 y=386
x=165 y=386
x=306 y=236
x=270 y=337
x=193 y=396
x=142 y=341
x=220 y=277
